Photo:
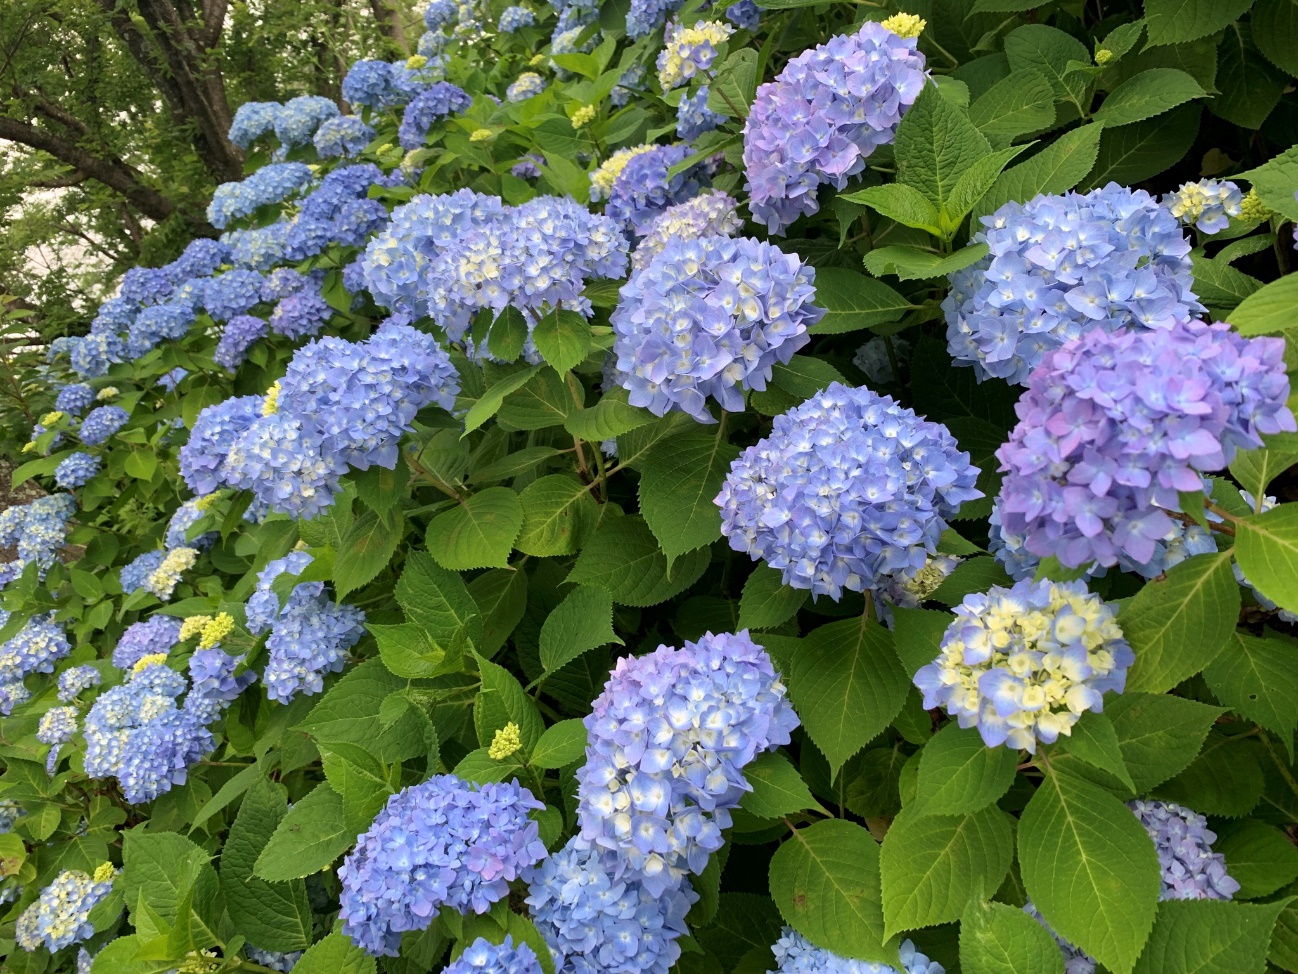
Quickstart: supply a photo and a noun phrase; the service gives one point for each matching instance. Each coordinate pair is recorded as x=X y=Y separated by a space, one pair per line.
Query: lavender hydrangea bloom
x=203 y=460
x=709 y=318
x=434 y=102
x=484 y=957
x=301 y=314
x=61 y=915
x=710 y=214
x=1207 y=205
x=1023 y=664
x=74 y=399
x=794 y=954
x=1191 y=870
x=745 y=15
x=1060 y=265
x=823 y=116
x=668 y=740
x=233 y=293
x=157 y=634
x=1114 y=425
x=528 y=167
x=76 y=679
x=214 y=684
x=514 y=19
x=445 y=842
x=239 y=334
x=269 y=184
x=644 y=189
x=76 y=470
x=598 y=919
x=101 y=423
x=693 y=117
x=689 y=51
x=848 y=490
x=345 y=135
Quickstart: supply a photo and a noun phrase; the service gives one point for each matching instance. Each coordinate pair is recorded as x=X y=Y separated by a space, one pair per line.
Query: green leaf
x=1250 y=88
x=1259 y=857
x=624 y=558
x=1049 y=51
x=778 y=789
x=563 y=339
x=736 y=81
x=562 y=744
x=158 y=867
x=1225 y=779
x=407 y=651
x=825 y=881
x=310 y=837
x=681 y=478
x=1147 y=94
x=1177 y=21
x=1178 y=624
x=915 y=264
x=502 y=701
x=847 y=685
x=437 y=601
x=1266 y=546
x=1255 y=469
x=544 y=402
x=1094 y=739
x=1273 y=308
x=481 y=767
x=1159 y=735
x=904 y=204
x=335 y=954
x=508 y=335
x=976 y=574
x=1055 y=169
x=973 y=185
x=1274 y=182
x=767 y=602
x=1090 y=868
x=366 y=549
x=121 y=956
x=932 y=865
x=853 y=301
x=1131 y=153
x=999 y=939
x=489 y=404
x=1209 y=937
x=1258 y=679
x=917 y=634
x=1020 y=103
x=582 y=621
x=558 y=515
x=275 y=916
x=478 y=532
x=958 y=773
x=607 y=419
x=936 y=142
x=1219 y=285
x=513 y=465
x=501 y=596
x=1275 y=31
x=360 y=781
x=349 y=713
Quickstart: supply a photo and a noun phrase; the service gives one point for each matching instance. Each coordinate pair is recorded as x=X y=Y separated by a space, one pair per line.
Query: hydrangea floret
x=61 y=915
x=794 y=954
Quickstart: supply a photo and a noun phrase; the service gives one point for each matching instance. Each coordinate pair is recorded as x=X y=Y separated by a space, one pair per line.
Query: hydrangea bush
x=665 y=488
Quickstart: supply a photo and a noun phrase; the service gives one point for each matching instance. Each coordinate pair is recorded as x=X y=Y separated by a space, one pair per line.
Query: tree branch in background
x=389 y=22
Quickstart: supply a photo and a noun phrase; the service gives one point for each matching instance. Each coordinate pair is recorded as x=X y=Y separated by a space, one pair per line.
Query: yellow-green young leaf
x=904 y=204
x=853 y=301
x=121 y=956
x=1020 y=103
x=935 y=144
x=825 y=881
x=1178 y=624
x=1259 y=857
x=491 y=400
x=438 y=601
x=914 y=264
x=999 y=939
x=311 y=836
x=563 y=339
x=778 y=789
x=1090 y=868
x=1255 y=469
x=1055 y=169
x=1209 y=937
x=478 y=532
x=1147 y=94
x=847 y=685
x=481 y=767
x=558 y=516
x=407 y=651
x=1178 y=21
x=624 y=558
x=933 y=864
x=766 y=601
x=502 y=701
x=1273 y=308
x=681 y=478
x=366 y=549
x=335 y=954
x=1158 y=735
x=1266 y=546
x=958 y=773
x=1258 y=679
x=562 y=744
x=581 y=622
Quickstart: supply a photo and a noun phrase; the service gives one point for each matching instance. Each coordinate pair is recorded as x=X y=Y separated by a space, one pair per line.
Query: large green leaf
x=1209 y=937
x=563 y=338
x=1274 y=182
x=1275 y=31
x=310 y=837
x=366 y=548
x=853 y=301
x=996 y=938
x=680 y=481
x=1131 y=153
x=1272 y=309
x=158 y=867
x=1259 y=857
x=478 y=532
x=916 y=264
x=1258 y=679
x=1051 y=52
x=1226 y=778
x=1177 y=21
x=1019 y=103
x=558 y=515
x=958 y=773
x=1159 y=735
x=351 y=713
x=581 y=622
x=438 y=601
x=936 y=142
x=1250 y=87
x=624 y=558
x=335 y=954
x=778 y=789
x=1055 y=169
x=1266 y=546
x=1147 y=94
x=766 y=601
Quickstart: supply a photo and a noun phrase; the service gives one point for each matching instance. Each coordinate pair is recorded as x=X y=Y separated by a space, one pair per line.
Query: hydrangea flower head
x=1023 y=664
x=745 y=15
x=603 y=178
x=61 y=915
x=76 y=679
x=668 y=740
x=794 y=954
x=484 y=957
x=282 y=962
x=823 y=116
x=35 y=648
x=57 y=725
x=281 y=458
x=1114 y=425
x=162 y=580
x=135 y=574
x=75 y=398
x=690 y=51
x=876 y=363
x=445 y=842
x=203 y=460
x=298 y=118
x=707 y=319
x=710 y=214
x=233 y=293
x=269 y=184
x=1060 y=265
x=646 y=16
x=239 y=334
x=157 y=634
x=644 y=188
x=252 y=120
x=515 y=18
x=599 y=919
x=1191 y=870
x=526 y=85
x=36 y=531
x=434 y=102
x=186 y=516
x=101 y=423
x=849 y=490
x=76 y=470
x=345 y=135
x=693 y=117
x=1207 y=205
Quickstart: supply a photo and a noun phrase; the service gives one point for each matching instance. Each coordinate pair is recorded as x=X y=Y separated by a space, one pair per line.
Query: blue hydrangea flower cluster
x=441 y=13
x=239 y=335
x=345 y=135
x=1191 y=870
x=526 y=85
x=90 y=355
x=310 y=635
x=252 y=120
x=269 y=184
x=258 y=249
x=57 y=726
x=644 y=189
x=1207 y=205
x=282 y=460
x=689 y=51
x=214 y=682
x=434 y=102
x=445 y=842
x=36 y=531
x=233 y=293
x=631 y=81
x=693 y=117
x=10 y=810
x=484 y=957
x=823 y=116
x=11 y=696
x=1023 y=664
x=155 y=635
x=709 y=318
x=668 y=741
x=875 y=362
x=74 y=399
x=101 y=423
x=848 y=490
x=185 y=517
x=204 y=459
x=339 y=211
x=136 y=573
x=794 y=954
x=75 y=680
x=515 y=18
x=710 y=214
x=1114 y=424
x=745 y=15
x=298 y=118
x=272 y=959
x=1060 y=265
x=378 y=85
x=646 y=16
x=302 y=313
x=598 y=919
x=76 y=470
x=154 y=324
x=61 y=915
x=35 y=648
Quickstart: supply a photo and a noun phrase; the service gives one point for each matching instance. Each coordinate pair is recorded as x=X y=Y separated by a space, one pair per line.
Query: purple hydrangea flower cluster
x=709 y=318
x=1114 y=424
x=1022 y=664
x=668 y=741
x=101 y=423
x=1060 y=265
x=710 y=214
x=1207 y=205
x=745 y=15
x=135 y=574
x=1191 y=870
x=57 y=726
x=794 y=954
x=76 y=470
x=76 y=679
x=185 y=517
x=235 y=292
x=644 y=189
x=484 y=957
x=157 y=634
x=310 y=635
x=74 y=399
x=434 y=102
x=823 y=116
x=36 y=531
x=345 y=135
x=445 y=842
x=301 y=313
x=239 y=334
x=269 y=184
x=515 y=18
x=61 y=915
x=36 y=647
x=848 y=490
x=693 y=117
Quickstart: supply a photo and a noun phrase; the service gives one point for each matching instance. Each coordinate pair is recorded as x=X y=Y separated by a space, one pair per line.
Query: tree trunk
x=390 y=25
